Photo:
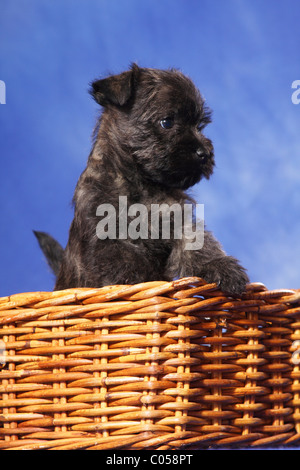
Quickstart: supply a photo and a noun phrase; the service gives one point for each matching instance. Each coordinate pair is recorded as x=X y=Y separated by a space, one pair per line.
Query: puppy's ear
x=116 y=89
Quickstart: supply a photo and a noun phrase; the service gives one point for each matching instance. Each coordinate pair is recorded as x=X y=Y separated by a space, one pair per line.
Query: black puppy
x=148 y=148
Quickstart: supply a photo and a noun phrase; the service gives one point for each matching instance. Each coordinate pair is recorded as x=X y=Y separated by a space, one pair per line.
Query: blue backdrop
x=244 y=57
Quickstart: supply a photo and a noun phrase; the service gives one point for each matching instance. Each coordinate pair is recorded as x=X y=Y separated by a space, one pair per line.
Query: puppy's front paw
x=230 y=276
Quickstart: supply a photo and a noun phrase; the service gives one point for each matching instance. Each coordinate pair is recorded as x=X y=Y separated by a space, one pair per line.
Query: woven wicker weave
x=159 y=365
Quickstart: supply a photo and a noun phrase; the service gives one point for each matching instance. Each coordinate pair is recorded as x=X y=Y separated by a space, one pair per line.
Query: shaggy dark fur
x=148 y=146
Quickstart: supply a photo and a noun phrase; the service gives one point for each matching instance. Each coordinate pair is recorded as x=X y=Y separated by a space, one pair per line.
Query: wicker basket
x=158 y=365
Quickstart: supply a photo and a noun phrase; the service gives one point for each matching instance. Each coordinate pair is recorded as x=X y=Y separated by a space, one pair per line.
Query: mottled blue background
x=242 y=54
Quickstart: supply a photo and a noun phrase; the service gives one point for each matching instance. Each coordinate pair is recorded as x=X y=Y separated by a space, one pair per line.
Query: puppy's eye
x=167 y=123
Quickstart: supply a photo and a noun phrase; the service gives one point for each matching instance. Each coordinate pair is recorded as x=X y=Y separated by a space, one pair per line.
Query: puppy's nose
x=201 y=154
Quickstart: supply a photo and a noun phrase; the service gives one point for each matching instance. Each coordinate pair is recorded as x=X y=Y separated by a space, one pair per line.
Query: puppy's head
x=158 y=117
